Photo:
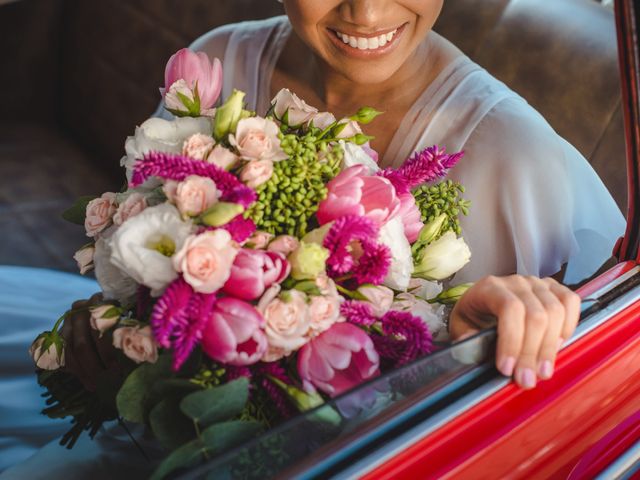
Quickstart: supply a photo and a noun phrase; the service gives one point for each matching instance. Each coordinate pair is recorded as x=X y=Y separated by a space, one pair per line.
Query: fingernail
x=526 y=378
x=546 y=369
x=507 y=365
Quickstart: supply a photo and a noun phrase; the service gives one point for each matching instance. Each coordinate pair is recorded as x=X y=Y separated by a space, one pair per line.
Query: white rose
x=160 y=135
x=355 y=155
x=299 y=112
x=392 y=235
x=143 y=246
x=136 y=343
x=104 y=317
x=287 y=321
x=53 y=357
x=172 y=99
x=115 y=284
x=84 y=258
x=443 y=258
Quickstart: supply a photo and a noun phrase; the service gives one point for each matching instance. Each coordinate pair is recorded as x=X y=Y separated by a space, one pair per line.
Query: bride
x=538 y=209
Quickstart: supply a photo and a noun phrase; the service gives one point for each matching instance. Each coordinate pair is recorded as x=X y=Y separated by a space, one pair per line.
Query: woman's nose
x=364 y=13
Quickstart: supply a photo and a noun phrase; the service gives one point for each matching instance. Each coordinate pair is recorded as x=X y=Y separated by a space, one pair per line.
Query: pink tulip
x=196 y=68
x=233 y=335
x=338 y=359
x=353 y=192
x=254 y=271
x=411 y=217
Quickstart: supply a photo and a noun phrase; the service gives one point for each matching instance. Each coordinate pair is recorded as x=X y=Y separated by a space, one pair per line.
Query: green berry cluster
x=209 y=377
x=288 y=201
x=444 y=197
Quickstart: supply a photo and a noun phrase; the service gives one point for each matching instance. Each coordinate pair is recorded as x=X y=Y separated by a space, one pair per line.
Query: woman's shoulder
x=215 y=42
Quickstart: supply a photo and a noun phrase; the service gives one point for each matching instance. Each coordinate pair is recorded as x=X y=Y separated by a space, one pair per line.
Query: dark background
x=77 y=76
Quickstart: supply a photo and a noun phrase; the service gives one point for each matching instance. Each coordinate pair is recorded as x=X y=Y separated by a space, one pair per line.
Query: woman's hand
x=87 y=355
x=535 y=316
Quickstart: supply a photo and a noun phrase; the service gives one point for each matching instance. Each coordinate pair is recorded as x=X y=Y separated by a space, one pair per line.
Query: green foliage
x=216 y=404
x=444 y=197
x=135 y=395
x=78 y=211
x=169 y=425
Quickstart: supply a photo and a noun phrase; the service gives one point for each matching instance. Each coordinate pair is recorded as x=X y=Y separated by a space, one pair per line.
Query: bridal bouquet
x=253 y=267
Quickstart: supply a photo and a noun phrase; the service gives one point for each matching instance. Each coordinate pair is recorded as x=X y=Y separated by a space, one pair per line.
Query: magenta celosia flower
x=425 y=166
x=254 y=271
x=178 y=318
x=178 y=167
x=195 y=68
x=267 y=371
x=240 y=228
x=337 y=360
x=406 y=337
x=372 y=265
x=353 y=192
x=233 y=334
x=358 y=313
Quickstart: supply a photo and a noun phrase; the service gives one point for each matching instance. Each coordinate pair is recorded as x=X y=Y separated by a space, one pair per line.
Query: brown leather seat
x=561 y=56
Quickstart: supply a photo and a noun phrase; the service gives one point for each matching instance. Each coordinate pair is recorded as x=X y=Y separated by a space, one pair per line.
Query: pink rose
x=337 y=360
x=103 y=317
x=84 y=258
x=351 y=130
x=256 y=138
x=194 y=194
x=99 y=213
x=233 y=335
x=298 y=111
x=324 y=311
x=322 y=120
x=287 y=321
x=136 y=343
x=411 y=217
x=284 y=244
x=259 y=240
x=379 y=297
x=198 y=146
x=273 y=354
x=205 y=260
x=195 y=68
x=353 y=192
x=256 y=172
x=254 y=271
x=132 y=206
x=222 y=157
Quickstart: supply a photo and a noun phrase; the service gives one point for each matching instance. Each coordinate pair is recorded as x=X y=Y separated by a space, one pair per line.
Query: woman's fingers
x=571 y=302
x=557 y=315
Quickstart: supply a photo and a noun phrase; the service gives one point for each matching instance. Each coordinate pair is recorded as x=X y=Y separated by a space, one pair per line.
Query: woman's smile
x=366 y=45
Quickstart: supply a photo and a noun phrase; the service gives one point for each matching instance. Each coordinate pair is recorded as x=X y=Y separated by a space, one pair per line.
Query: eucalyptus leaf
x=169 y=425
x=188 y=455
x=133 y=398
x=216 y=404
x=225 y=435
x=78 y=211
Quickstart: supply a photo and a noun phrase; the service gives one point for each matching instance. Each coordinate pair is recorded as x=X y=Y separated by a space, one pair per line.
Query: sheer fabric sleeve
x=536 y=202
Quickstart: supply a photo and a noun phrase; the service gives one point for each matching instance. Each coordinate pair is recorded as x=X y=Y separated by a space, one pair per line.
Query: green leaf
x=225 y=435
x=77 y=213
x=188 y=455
x=169 y=425
x=134 y=397
x=216 y=404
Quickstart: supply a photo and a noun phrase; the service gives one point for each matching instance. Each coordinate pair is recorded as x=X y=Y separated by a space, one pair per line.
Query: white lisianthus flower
x=443 y=258
x=115 y=284
x=424 y=289
x=392 y=235
x=143 y=246
x=355 y=155
x=160 y=135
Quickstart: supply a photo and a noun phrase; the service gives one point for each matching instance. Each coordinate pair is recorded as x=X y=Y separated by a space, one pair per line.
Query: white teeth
x=363 y=43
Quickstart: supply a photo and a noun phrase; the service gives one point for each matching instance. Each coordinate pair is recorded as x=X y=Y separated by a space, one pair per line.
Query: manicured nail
x=546 y=369
x=526 y=378
x=507 y=365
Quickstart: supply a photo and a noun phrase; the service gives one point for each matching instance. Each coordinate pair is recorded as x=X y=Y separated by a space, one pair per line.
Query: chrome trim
x=420 y=431
x=624 y=466
x=613 y=284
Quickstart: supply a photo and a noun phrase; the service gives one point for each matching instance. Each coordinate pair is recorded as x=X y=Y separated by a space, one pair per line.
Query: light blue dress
x=537 y=204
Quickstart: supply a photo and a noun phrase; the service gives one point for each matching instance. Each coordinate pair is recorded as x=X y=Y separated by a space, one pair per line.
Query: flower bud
x=442 y=258
x=84 y=258
x=451 y=296
x=365 y=115
x=432 y=229
x=47 y=351
x=221 y=214
x=308 y=261
x=228 y=115
x=104 y=317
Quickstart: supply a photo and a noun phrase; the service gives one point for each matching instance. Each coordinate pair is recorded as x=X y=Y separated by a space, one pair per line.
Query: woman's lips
x=366 y=45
